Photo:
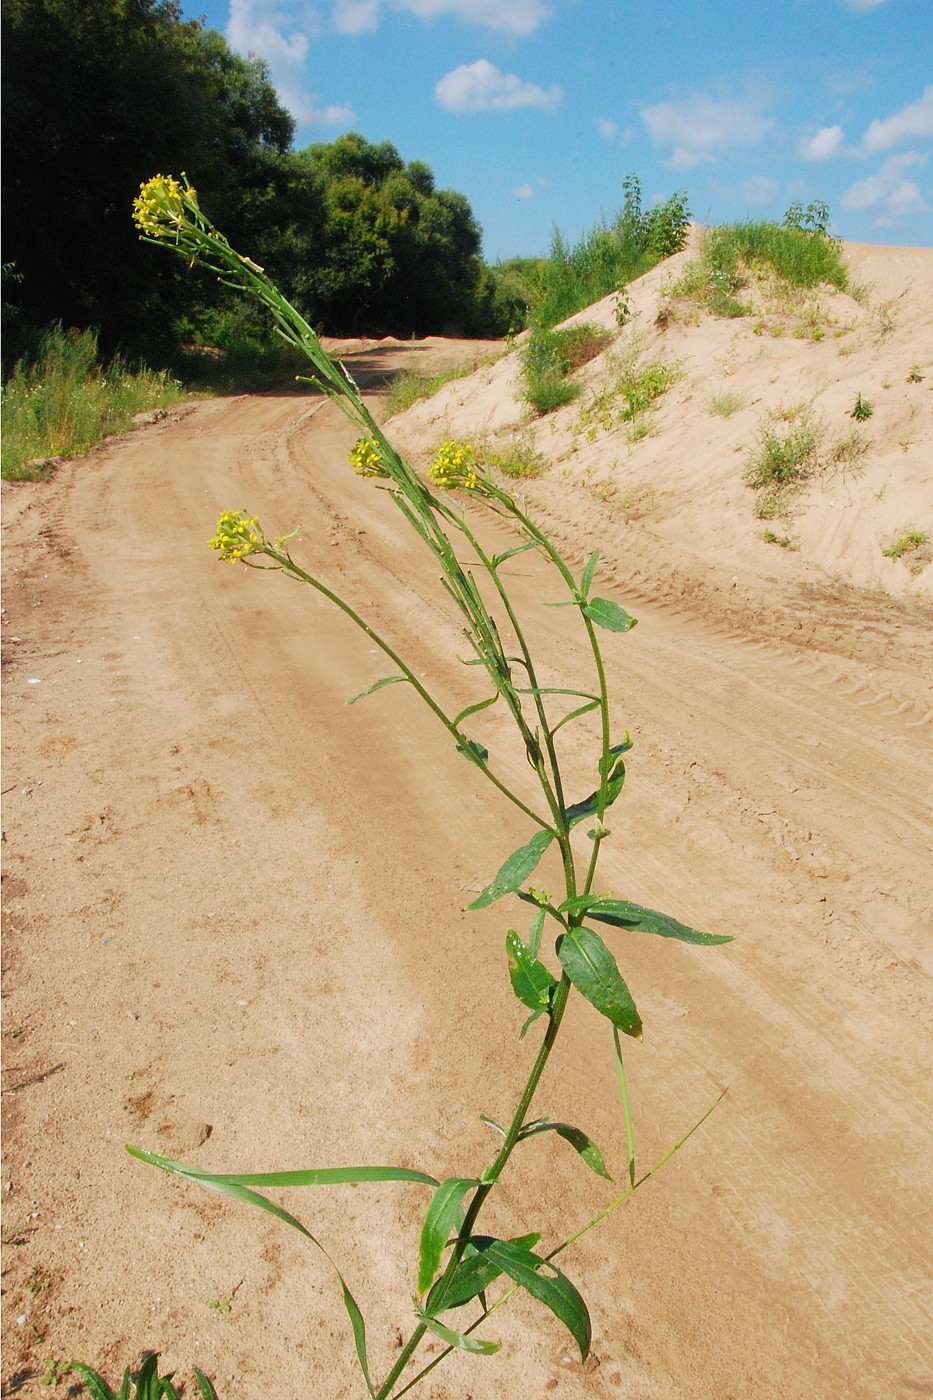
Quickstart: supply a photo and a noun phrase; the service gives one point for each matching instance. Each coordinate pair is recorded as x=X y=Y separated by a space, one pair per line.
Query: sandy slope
x=234 y=927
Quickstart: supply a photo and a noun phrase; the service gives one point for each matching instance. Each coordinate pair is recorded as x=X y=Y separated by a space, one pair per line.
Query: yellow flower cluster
x=454 y=465
x=238 y=534
x=159 y=209
x=365 y=459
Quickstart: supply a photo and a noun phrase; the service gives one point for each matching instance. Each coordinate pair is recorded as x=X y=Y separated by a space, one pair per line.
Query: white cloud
x=889 y=190
x=682 y=159
x=523 y=192
x=480 y=87
x=254 y=29
x=356 y=16
x=865 y=4
x=913 y=122
x=697 y=126
x=507 y=16
x=825 y=144
x=608 y=130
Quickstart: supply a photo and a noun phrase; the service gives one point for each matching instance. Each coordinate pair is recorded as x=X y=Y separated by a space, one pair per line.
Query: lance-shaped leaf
x=472 y=1276
x=578 y=1140
x=377 y=685
x=535 y=932
x=605 y=613
x=443 y=1215
x=592 y=970
x=205 y=1385
x=546 y=1283
x=622 y=913
x=588 y=573
x=532 y=983
x=457 y=1339
x=516 y=870
x=237 y=1185
x=590 y=805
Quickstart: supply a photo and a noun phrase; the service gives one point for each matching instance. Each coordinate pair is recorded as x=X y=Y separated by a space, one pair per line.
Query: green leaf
x=377 y=685
x=457 y=1339
x=546 y=1283
x=588 y=573
x=321 y=1176
x=472 y=1276
x=621 y=913
x=607 y=614
x=205 y=1385
x=578 y=1140
x=575 y=714
x=516 y=869
x=97 y=1387
x=233 y=1186
x=532 y=983
x=443 y=1215
x=535 y=932
x=590 y=805
x=592 y=970
x=475 y=709
x=469 y=746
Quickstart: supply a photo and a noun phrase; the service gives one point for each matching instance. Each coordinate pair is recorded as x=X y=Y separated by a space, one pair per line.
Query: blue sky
x=537 y=109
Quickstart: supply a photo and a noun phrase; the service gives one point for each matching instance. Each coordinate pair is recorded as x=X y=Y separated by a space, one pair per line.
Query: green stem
x=288 y=564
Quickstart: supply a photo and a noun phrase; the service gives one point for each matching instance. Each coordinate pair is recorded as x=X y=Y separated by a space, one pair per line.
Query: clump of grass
x=632 y=385
x=784 y=541
x=846 y=452
x=606 y=258
x=915 y=374
x=913 y=546
x=517 y=457
x=64 y=401
x=549 y=356
x=785 y=457
x=409 y=387
x=724 y=405
x=736 y=257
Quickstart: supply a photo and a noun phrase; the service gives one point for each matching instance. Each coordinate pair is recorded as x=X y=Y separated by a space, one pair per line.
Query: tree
x=397 y=254
x=97 y=97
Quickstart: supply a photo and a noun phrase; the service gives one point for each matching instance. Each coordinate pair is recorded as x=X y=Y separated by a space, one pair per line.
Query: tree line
x=99 y=95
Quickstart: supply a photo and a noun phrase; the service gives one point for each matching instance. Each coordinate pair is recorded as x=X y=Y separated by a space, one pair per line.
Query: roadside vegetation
x=64 y=401
x=792 y=448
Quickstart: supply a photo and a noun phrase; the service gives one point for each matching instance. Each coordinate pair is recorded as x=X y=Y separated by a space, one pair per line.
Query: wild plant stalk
x=167 y=212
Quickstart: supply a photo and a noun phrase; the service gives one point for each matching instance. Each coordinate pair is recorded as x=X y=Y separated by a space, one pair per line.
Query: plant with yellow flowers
x=460 y=1266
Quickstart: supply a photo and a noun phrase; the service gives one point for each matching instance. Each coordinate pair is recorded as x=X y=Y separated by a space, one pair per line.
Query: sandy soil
x=235 y=933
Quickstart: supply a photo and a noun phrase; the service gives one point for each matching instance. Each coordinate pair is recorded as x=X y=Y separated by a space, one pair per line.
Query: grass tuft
x=737 y=257
x=63 y=401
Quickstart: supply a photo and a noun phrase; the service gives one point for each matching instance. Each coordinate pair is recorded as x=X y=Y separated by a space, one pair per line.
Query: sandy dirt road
x=234 y=933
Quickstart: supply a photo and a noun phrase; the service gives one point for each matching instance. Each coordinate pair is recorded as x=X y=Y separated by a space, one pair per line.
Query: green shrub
x=548 y=357
x=63 y=401
x=911 y=545
x=607 y=257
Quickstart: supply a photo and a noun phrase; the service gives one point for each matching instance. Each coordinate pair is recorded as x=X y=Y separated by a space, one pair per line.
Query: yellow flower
x=238 y=534
x=365 y=459
x=455 y=465
x=159 y=208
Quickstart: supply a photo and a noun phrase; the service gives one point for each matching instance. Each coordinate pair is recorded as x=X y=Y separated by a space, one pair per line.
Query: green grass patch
x=631 y=386
x=913 y=546
x=785 y=457
x=517 y=457
x=736 y=258
x=549 y=356
x=63 y=401
x=725 y=405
